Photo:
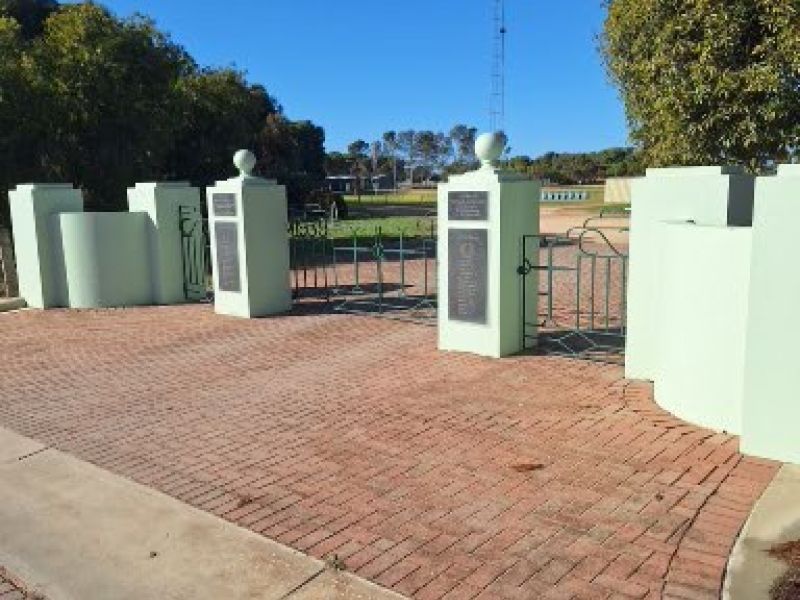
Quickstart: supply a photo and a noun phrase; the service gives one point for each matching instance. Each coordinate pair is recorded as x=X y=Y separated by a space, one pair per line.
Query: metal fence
x=582 y=276
x=365 y=270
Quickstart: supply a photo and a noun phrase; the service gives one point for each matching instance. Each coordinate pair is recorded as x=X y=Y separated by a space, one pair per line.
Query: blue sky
x=359 y=68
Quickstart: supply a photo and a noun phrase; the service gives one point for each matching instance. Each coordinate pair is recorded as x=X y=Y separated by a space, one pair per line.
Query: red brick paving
x=353 y=436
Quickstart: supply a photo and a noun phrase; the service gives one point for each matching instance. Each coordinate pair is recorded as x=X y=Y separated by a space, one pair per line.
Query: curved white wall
x=701 y=322
x=105 y=259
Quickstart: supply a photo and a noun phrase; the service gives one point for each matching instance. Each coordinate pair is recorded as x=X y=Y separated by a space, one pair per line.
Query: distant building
x=618 y=190
x=572 y=193
x=346 y=184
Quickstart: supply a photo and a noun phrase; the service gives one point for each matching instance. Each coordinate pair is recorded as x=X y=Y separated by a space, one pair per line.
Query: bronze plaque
x=228 y=275
x=224 y=205
x=467 y=275
x=468 y=206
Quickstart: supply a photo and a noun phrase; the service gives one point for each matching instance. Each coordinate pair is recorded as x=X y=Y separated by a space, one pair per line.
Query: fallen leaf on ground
x=527 y=467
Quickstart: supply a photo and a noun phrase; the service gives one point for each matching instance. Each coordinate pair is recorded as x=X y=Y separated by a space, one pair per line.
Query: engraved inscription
x=224 y=205
x=227 y=236
x=468 y=206
x=467 y=275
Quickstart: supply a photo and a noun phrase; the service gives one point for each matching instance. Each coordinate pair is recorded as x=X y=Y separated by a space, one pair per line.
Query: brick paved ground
x=346 y=435
x=12 y=589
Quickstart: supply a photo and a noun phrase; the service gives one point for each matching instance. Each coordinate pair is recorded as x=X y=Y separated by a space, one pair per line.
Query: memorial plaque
x=227 y=236
x=224 y=205
x=467 y=274
x=468 y=206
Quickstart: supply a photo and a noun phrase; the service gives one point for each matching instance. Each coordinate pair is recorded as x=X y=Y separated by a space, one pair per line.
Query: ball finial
x=489 y=147
x=245 y=161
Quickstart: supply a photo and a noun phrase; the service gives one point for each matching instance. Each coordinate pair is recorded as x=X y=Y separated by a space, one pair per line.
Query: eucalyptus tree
x=109 y=87
x=707 y=81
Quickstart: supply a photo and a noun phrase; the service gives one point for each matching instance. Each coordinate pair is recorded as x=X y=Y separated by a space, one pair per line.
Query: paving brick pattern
x=437 y=475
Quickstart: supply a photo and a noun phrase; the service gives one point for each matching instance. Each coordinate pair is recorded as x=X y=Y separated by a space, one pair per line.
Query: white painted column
x=483 y=216
x=771 y=409
x=248 y=227
x=703 y=195
x=162 y=202
x=40 y=260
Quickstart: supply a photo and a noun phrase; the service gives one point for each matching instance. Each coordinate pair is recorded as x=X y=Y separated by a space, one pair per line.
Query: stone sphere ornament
x=245 y=161
x=489 y=147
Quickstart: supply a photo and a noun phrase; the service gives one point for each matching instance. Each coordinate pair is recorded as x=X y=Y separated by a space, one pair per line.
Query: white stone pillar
x=248 y=226
x=40 y=260
x=163 y=202
x=703 y=195
x=483 y=216
x=771 y=407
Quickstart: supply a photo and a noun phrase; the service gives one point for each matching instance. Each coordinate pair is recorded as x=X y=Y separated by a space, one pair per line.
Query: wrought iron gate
x=361 y=270
x=193 y=252
x=582 y=280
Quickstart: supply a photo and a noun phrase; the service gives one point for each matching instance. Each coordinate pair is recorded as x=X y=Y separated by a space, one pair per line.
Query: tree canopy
x=708 y=81
x=104 y=102
x=580 y=168
x=436 y=154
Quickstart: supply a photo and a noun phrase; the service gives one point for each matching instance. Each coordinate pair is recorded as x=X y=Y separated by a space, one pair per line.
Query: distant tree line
x=423 y=155
x=580 y=168
x=428 y=155
x=103 y=102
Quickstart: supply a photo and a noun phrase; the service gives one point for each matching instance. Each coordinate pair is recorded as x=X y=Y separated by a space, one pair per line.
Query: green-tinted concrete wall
x=713 y=307
x=705 y=195
x=161 y=202
x=105 y=259
x=36 y=246
x=69 y=258
x=700 y=322
x=771 y=410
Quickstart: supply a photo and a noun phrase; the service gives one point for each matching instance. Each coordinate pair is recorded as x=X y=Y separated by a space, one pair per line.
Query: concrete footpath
x=775 y=520
x=72 y=531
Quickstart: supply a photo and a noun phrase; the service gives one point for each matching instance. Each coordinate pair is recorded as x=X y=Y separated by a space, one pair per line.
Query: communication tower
x=498 y=96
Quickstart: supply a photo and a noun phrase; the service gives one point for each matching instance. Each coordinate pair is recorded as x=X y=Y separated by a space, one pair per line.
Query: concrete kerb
x=775 y=520
x=71 y=530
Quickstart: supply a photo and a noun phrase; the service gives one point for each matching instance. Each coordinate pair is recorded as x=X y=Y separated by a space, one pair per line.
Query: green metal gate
x=193 y=253
x=582 y=276
x=361 y=270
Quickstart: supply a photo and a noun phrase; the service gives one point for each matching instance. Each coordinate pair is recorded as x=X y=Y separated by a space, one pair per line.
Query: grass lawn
x=390 y=227
x=420 y=227
x=412 y=197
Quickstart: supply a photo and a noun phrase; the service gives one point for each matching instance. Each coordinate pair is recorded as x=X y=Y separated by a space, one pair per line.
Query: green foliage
x=429 y=152
x=30 y=14
x=108 y=94
x=218 y=114
x=15 y=120
x=707 y=81
x=432 y=153
x=581 y=168
x=292 y=153
x=463 y=138
x=103 y=102
x=358 y=149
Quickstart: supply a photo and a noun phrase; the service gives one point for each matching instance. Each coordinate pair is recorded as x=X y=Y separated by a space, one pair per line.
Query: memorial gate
x=582 y=278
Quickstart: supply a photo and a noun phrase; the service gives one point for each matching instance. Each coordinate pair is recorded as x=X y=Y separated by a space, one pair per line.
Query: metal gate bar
x=193 y=253
x=352 y=286
x=588 y=320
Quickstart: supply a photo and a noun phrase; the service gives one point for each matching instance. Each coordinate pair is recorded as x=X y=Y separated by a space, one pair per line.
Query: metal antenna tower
x=498 y=97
